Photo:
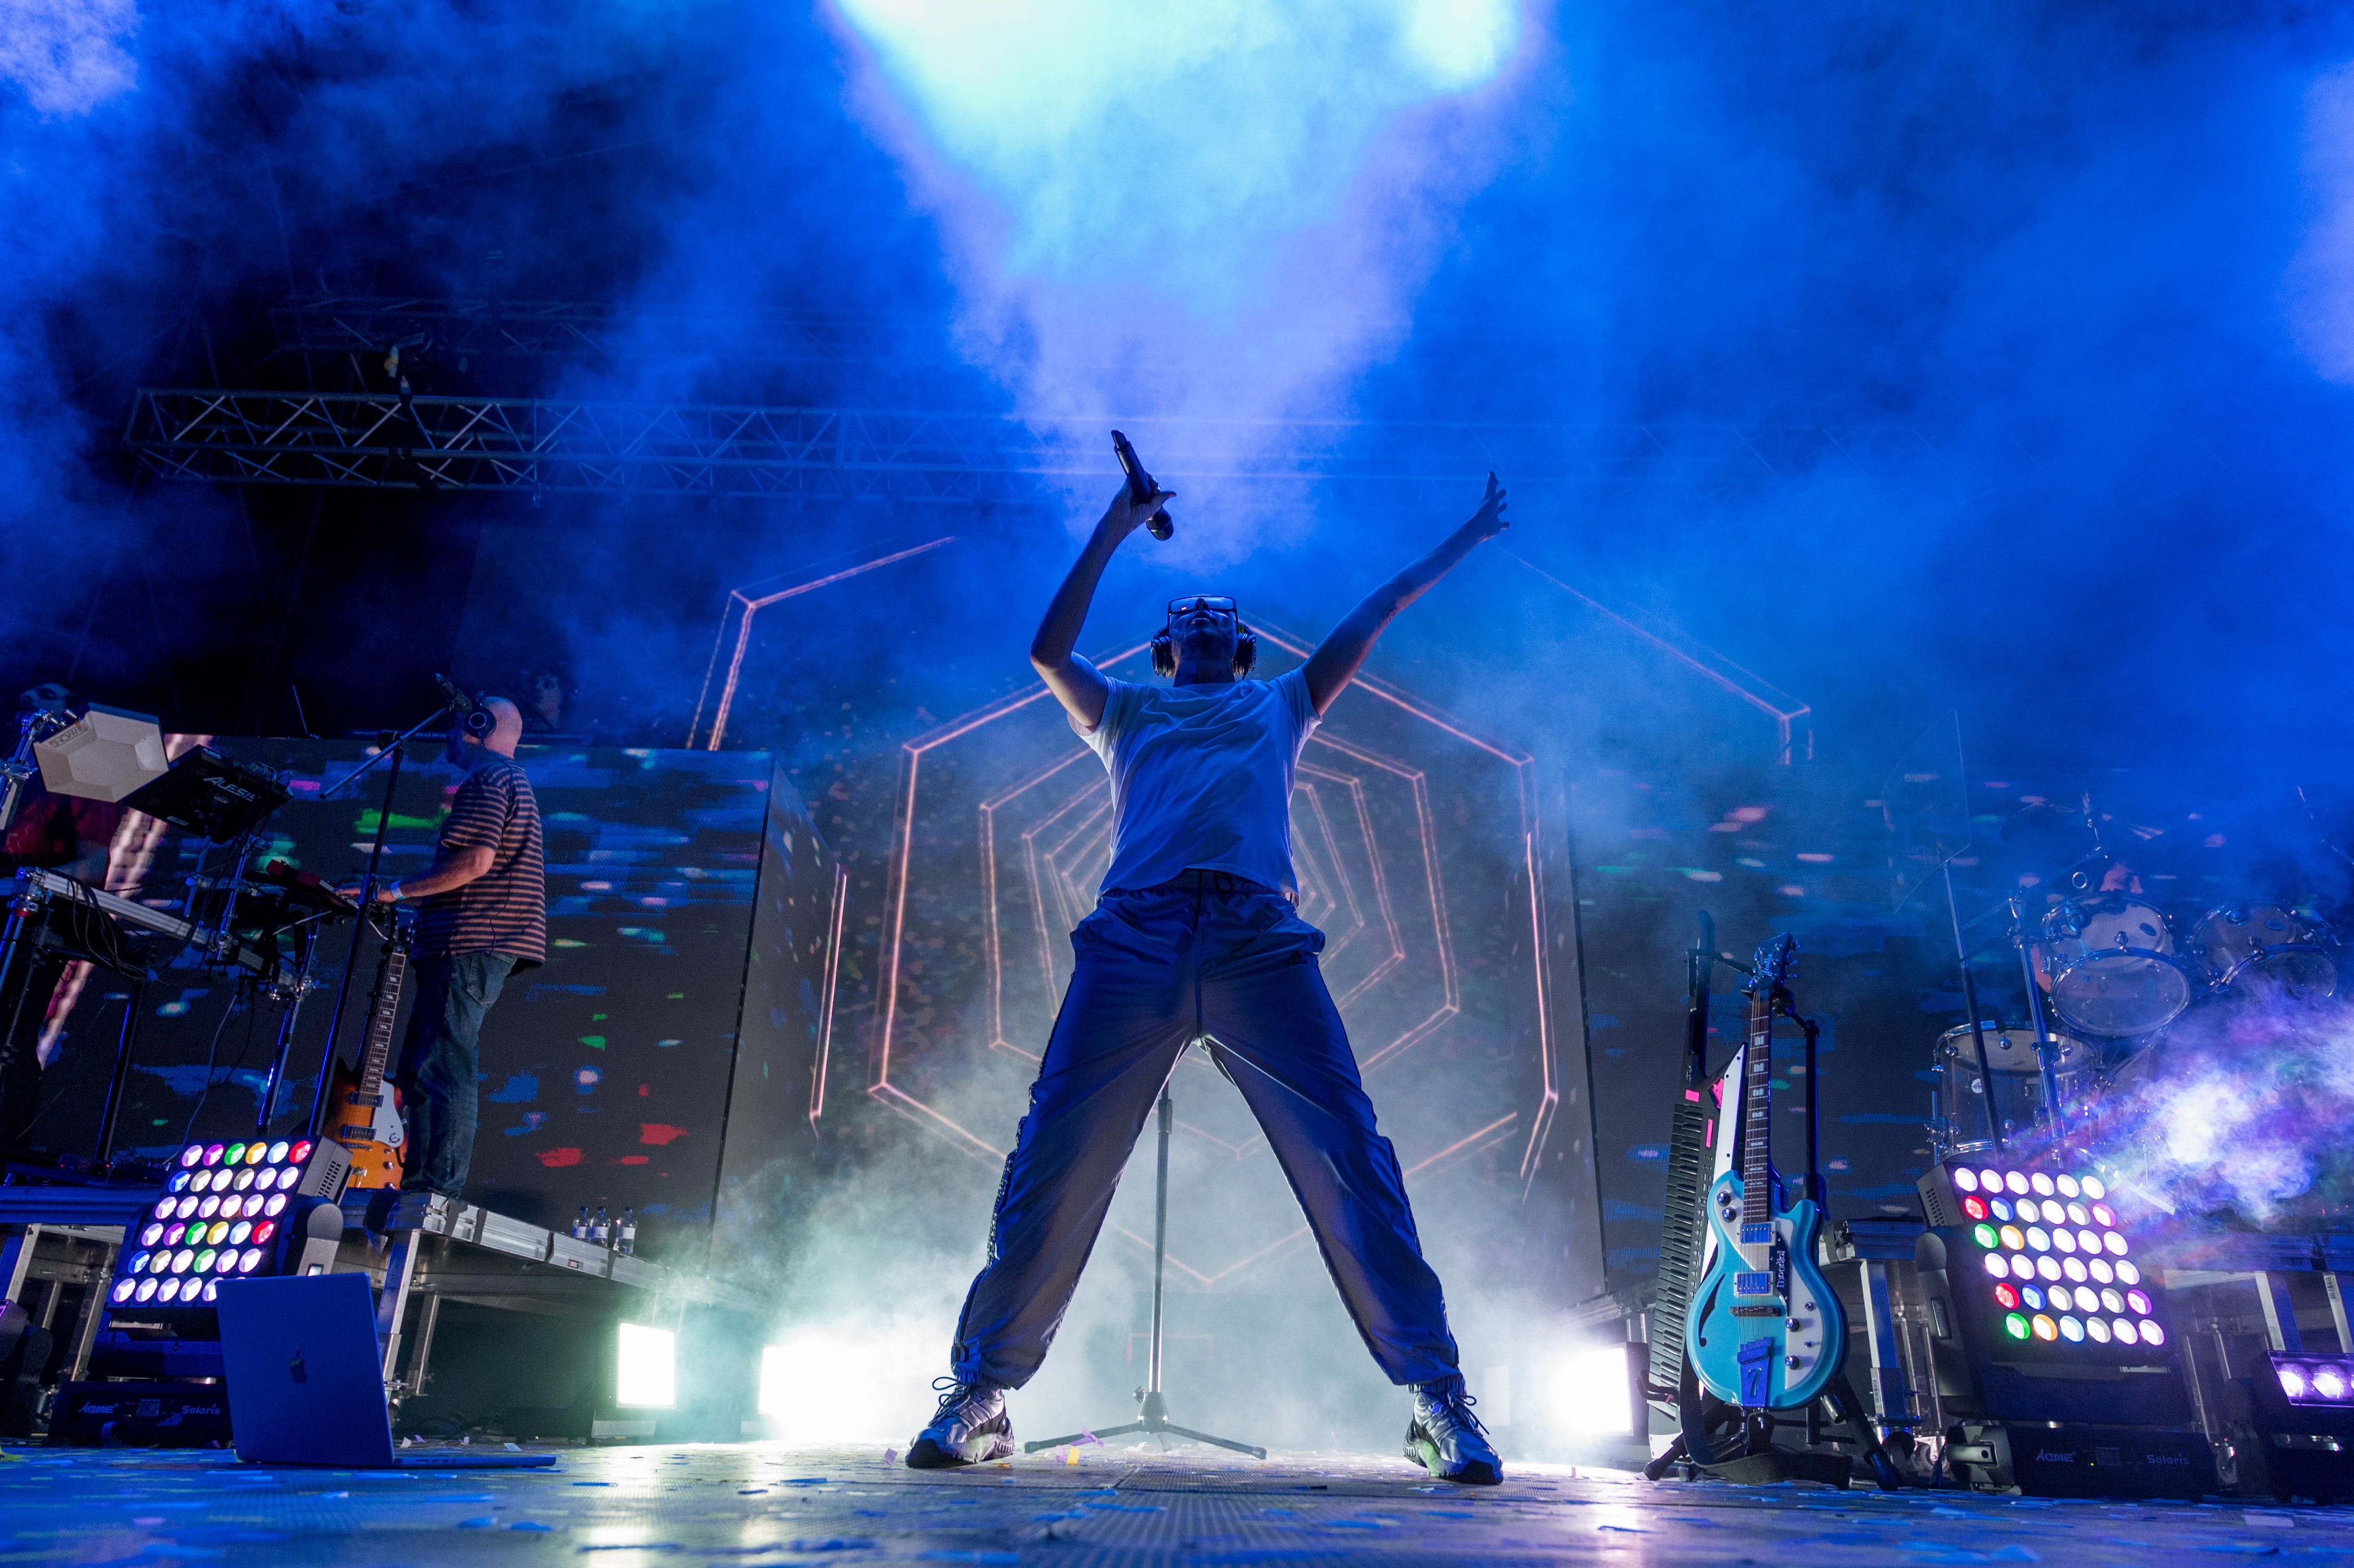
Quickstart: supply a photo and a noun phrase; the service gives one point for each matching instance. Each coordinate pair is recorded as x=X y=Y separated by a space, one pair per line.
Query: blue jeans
x=1157 y=970
x=440 y=1065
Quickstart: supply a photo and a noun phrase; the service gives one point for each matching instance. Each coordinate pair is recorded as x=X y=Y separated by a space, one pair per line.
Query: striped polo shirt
x=505 y=910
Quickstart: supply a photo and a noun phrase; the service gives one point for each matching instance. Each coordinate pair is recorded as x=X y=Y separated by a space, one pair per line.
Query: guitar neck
x=389 y=975
x=1756 y=1114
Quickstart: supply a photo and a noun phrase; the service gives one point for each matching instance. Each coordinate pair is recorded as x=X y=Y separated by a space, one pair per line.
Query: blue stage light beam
x=1172 y=134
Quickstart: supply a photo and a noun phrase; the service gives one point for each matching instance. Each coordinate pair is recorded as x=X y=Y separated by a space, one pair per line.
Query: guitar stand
x=1760 y=1463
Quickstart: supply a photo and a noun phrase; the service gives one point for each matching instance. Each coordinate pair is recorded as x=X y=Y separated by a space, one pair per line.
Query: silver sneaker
x=1446 y=1439
x=970 y=1427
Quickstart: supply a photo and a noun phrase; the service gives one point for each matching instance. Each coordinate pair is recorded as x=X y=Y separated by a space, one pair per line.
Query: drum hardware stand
x=1970 y=1001
x=118 y=1084
x=2045 y=1046
x=306 y=942
x=390 y=746
x=32 y=728
x=1153 y=1419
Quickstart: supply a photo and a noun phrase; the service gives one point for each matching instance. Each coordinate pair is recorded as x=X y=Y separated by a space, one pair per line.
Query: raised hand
x=1488 y=521
x=1125 y=516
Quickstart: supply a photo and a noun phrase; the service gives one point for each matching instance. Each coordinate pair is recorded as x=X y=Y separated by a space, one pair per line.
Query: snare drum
x=2110 y=966
x=2248 y=945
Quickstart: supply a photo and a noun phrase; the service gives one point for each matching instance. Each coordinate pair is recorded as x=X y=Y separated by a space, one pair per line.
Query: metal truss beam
x=548 y=444
x=352 y=324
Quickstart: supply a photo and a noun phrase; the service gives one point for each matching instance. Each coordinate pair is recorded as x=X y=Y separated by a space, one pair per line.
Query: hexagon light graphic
x=1003 y=831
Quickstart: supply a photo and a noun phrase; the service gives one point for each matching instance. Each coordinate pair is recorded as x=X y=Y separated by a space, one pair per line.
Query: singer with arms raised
x=484 y=917
x=1195 y=937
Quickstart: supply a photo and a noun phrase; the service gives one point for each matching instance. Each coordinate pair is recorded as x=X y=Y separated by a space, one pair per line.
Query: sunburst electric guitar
x=1765 y=1329
x=365 y=1114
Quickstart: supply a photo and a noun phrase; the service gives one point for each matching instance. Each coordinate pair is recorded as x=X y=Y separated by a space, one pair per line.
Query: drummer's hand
x=350 y=891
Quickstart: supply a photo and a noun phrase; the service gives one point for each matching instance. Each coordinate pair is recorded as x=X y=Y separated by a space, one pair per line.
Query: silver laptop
x=305 y=1386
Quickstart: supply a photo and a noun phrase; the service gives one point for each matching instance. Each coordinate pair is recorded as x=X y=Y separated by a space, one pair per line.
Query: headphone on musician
x=1164 y=652
x=475 y=710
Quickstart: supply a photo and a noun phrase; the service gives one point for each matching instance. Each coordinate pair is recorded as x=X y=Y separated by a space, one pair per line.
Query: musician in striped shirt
x=484 y=917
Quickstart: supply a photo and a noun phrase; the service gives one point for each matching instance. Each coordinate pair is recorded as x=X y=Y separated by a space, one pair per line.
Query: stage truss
x=531 y=444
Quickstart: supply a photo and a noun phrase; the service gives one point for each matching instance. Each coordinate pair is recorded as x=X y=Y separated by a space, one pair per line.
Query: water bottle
x=581 y=1224
x=629 y=1230
x=601 y=1233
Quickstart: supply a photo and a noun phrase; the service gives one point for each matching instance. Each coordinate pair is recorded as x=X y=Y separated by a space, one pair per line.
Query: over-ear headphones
x=474 y=712
x=1164 y=652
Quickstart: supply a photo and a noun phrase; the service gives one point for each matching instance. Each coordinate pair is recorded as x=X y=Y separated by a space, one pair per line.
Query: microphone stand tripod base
x=1152 y=1419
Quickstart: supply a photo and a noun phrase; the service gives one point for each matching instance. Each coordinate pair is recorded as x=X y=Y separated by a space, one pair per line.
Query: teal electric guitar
x=1765 y=1329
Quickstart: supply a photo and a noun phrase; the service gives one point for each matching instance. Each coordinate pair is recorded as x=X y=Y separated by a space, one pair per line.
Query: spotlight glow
x=645 y=1367
x=2330 y=1382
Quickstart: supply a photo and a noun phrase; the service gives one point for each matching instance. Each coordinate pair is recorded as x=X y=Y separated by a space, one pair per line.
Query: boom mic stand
x=16 y=771
x=360 y=927
x=1153 y=1419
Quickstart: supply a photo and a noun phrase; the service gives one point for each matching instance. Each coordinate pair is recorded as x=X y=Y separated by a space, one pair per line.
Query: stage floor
x=760 y=1503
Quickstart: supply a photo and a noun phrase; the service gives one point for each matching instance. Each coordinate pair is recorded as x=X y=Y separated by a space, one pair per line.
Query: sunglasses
x=1216 y=604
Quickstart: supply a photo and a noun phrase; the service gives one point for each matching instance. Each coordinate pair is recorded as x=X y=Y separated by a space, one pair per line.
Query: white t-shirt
x=1200 y=776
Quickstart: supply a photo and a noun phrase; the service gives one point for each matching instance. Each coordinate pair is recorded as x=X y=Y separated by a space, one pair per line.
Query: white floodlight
x=645 y=1368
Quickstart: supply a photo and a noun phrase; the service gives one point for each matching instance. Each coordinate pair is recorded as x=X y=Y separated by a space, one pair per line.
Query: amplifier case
x=141 y=1414
x=2063 y=1459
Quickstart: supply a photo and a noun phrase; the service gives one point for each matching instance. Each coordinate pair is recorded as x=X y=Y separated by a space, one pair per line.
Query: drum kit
x=2107 y=971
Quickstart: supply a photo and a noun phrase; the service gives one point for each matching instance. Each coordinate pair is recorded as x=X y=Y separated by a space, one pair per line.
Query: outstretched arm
x=1076 y=683
x=1334 y=664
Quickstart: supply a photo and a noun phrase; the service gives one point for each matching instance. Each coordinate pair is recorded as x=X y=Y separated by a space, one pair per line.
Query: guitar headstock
x=395 y=923
x=1769 y=969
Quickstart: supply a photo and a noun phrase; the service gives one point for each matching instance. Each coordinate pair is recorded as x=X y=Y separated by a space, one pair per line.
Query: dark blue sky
x=2059 y=246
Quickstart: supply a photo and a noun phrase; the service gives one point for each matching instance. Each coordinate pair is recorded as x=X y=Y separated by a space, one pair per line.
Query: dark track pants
x=1155 y=971
x=440 y=1072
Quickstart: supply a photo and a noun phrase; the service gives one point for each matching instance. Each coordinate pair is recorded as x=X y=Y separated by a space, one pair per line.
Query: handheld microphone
x=478 y=718
x=1140 y=487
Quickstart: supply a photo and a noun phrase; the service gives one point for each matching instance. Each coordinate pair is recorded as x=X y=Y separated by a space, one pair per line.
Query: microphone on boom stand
x=478 y=718
x=1140 y=487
